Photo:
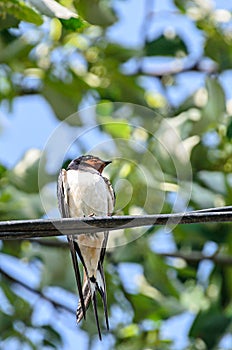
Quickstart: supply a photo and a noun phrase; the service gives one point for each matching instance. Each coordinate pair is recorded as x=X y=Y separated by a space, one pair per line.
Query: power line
x=22 y=229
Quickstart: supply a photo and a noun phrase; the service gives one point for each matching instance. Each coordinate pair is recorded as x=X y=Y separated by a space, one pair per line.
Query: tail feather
x=89 y=293
x=94 y=302
x=102 y=291
x=87 y=298
x=92 y=284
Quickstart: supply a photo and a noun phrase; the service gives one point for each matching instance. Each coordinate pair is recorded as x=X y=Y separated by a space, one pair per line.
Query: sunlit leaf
x=129 y=331
x=96 y=12
x=25 y=174
x=105 y=108
x=74 y=24
x=215 y=108
x=117 y=129
x=15 y=204
x=21 y=11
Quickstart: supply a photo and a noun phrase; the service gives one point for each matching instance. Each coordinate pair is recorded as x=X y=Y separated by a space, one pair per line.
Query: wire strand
x=21 y=229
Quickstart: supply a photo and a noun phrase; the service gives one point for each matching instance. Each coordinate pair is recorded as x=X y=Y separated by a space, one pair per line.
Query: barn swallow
x=83 y=191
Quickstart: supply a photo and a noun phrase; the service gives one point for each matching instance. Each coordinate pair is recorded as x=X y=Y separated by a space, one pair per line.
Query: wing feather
x=64 y=211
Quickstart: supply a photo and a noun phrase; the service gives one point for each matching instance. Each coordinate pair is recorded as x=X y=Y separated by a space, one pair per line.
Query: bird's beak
x=107 y=162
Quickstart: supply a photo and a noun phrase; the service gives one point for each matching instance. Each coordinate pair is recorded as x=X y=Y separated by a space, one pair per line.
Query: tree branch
x=22 y=229
x=177 y=69
x=36 y=291
x=192 y=257
x=196 y=257
x=50 y=243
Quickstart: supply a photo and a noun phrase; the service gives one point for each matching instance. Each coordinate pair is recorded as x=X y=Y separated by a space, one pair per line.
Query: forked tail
x=89 y=290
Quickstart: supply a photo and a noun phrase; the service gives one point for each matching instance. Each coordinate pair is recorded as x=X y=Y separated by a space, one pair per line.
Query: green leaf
x=119 y=53
x=105 y=108
x=130 y=253
x=28 y=171
x=164 y=46
x=96 y=12
x=8 y=21
x=64 y=98
x=21 y=337
x=218 y=47
x=215 y=108
x=214 y=180
x=156 y=272
x=181 y=4
x=5 y=324
x=229 y=131
x=122 y=88
x=147 y=307
x=51 y=336
x=74 y=24
x=129 y=331
x=116 y=128
x=15 y=204
x=21 y=11
x=10 y=295
x=202 y=197
x=3 y=170
x=16 y=49
x=210 y=325
x=22 y=309
x=56 y=274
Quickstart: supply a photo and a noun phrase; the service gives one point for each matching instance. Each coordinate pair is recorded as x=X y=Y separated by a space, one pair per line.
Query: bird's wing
x=101 y=285
x=62 y=195
x=111 y=196
x=64 y=211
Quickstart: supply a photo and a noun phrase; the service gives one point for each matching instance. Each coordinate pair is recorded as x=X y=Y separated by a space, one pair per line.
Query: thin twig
x=50 y=243
x=56 y=304
x=192 y=257
x=74 y=226
x=177 y=69
x=196 y=257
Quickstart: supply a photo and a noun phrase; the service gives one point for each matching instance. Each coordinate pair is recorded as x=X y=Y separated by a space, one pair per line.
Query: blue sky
x=28 y=125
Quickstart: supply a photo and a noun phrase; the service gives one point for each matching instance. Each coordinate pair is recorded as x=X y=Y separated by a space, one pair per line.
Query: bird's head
x=88 y=160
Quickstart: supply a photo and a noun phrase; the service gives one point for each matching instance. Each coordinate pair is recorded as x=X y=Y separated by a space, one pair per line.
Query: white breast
x=87 y=193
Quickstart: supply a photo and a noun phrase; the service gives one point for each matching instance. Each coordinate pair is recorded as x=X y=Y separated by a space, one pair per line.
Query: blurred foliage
x=164 y=46
x=63 y=51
